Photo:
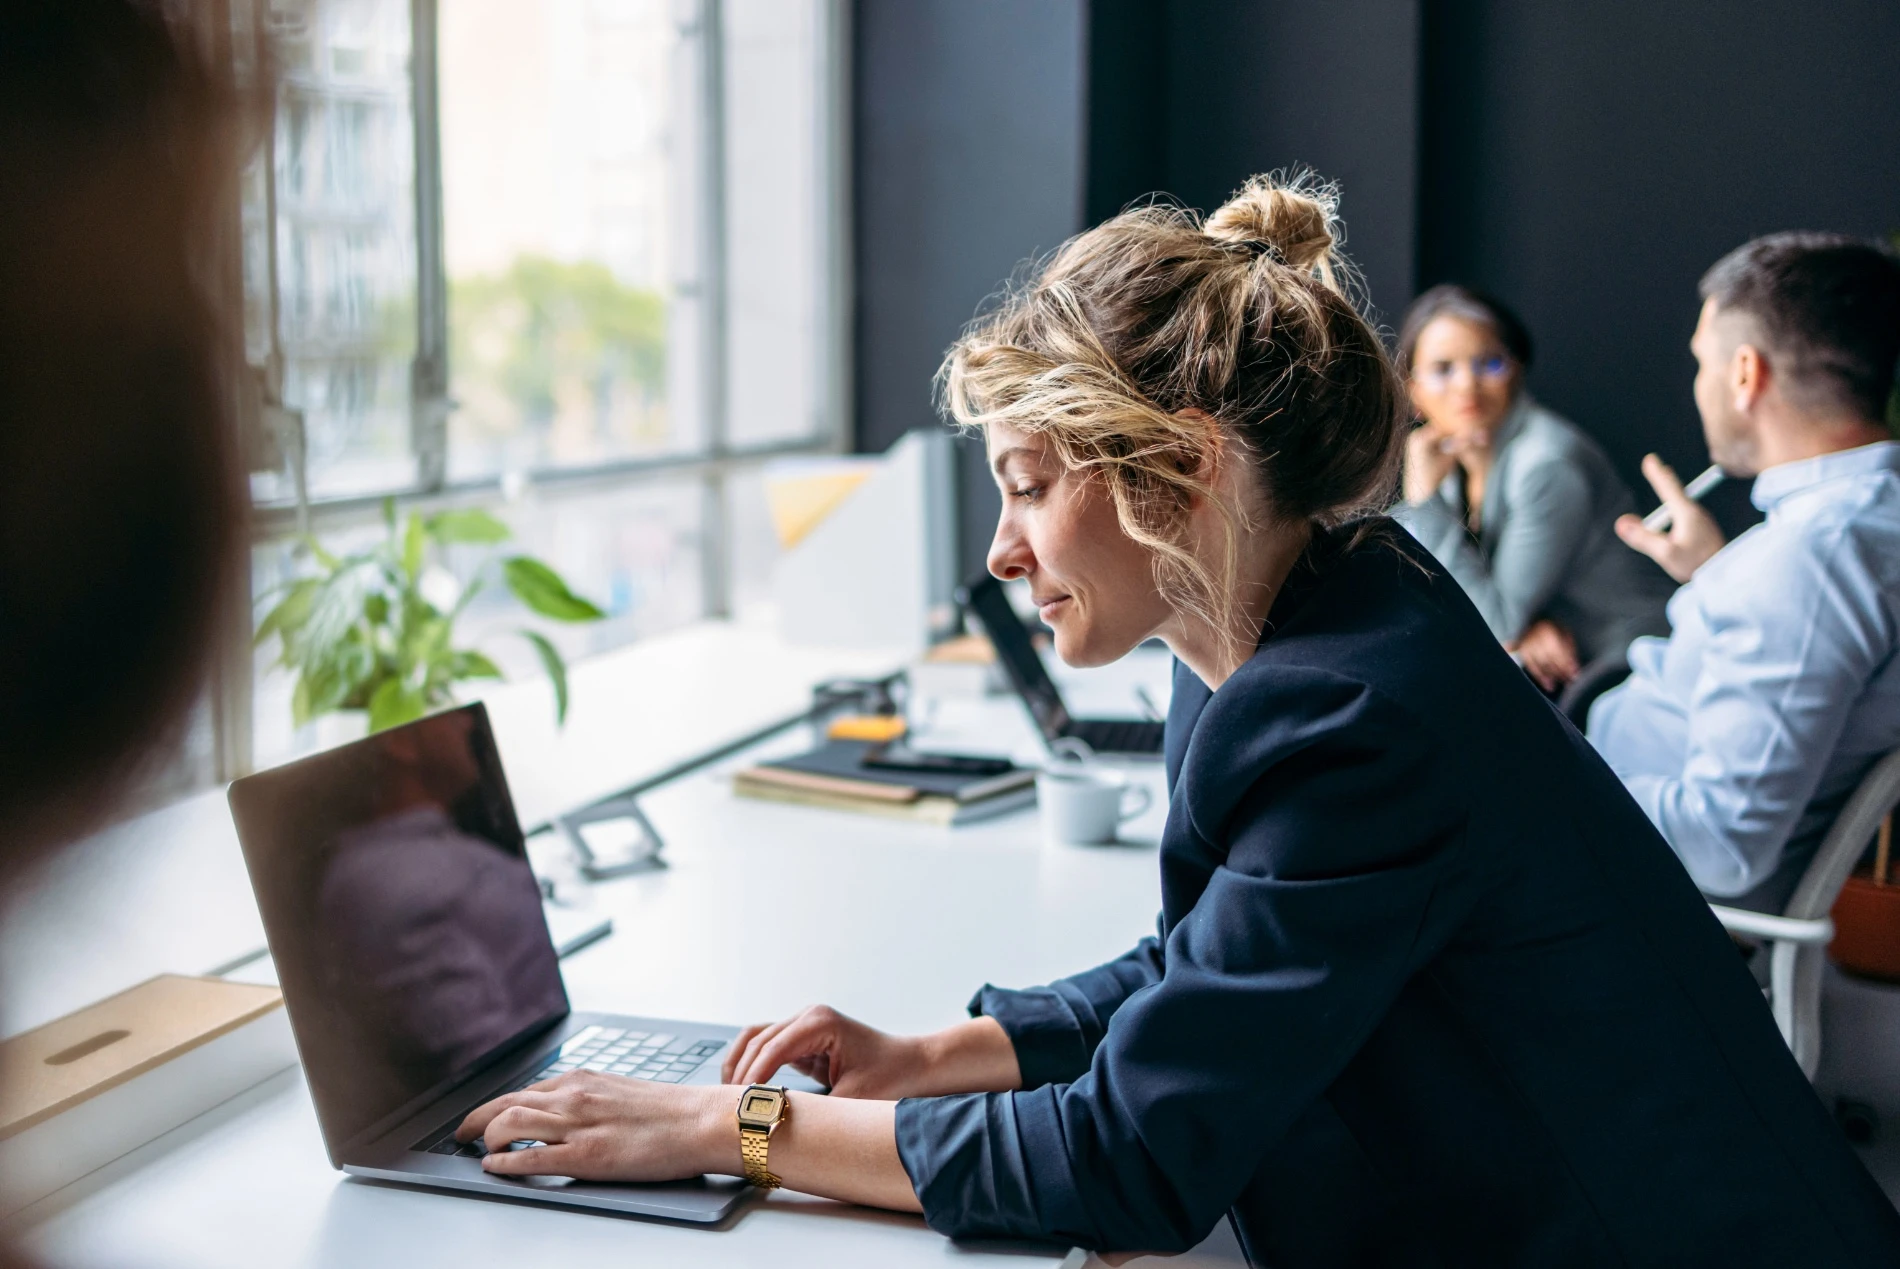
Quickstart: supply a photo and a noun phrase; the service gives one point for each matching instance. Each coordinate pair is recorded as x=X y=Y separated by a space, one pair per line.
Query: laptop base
x=396 y=1154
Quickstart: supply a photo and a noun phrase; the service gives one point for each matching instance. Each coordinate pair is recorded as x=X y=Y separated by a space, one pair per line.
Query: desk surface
x=893 y=922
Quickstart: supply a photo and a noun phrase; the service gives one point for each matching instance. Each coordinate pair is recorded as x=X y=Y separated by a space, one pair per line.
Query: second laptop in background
x=984 y=600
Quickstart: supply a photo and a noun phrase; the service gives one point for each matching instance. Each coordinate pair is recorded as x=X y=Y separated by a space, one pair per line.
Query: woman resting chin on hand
x=1426 y=981
x=1517 y=503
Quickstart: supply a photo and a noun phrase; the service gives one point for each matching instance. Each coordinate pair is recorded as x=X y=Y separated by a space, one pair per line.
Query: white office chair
x=1798 y=938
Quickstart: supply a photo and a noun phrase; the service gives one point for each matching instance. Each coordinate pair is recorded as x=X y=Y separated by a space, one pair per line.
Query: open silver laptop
x=415 y=962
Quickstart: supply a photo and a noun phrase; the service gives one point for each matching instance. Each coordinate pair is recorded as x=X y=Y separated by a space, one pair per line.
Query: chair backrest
x=1846 y=840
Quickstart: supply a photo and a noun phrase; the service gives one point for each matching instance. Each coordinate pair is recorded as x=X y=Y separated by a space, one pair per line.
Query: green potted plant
x=375 y=630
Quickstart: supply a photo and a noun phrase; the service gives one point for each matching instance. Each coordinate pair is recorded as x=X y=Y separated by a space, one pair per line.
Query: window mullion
x=715 y=573
x=429 y=374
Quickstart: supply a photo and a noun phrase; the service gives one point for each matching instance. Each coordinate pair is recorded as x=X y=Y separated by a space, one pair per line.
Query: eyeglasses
x=1440 y=374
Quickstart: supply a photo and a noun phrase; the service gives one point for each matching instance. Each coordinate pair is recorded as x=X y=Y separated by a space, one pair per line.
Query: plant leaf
x=469 y=592
x=300 y=702
x=393 y=704
x=331 y=677
x=413 y=543
x=290 y=612
x=541 y=589
x=557 y=672
x=323 y=558
x=470 y=664
x=426 y=640
x=468 y=524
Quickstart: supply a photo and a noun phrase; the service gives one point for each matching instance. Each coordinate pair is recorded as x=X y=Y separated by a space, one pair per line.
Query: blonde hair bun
x=1296 y=215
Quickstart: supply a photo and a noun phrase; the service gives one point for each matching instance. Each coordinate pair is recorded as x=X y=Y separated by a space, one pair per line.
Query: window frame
x=712 y=463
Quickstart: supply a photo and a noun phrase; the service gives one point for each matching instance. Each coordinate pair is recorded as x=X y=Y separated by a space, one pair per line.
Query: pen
x=1659 y=520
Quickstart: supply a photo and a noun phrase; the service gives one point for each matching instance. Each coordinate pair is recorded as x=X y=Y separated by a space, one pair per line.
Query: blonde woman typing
x=1427 y=988
x=1514 y=501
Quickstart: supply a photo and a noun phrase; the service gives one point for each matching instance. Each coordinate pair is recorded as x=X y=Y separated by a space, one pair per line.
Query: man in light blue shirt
x=1742 y=733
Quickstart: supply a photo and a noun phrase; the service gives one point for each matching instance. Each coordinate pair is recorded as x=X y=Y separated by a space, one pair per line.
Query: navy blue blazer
x=1428 y=990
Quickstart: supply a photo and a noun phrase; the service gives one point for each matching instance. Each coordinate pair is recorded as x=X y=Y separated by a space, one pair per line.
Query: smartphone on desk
x=898 y=757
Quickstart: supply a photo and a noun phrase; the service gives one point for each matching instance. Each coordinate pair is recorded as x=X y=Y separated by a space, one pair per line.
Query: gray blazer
x=1547 y=548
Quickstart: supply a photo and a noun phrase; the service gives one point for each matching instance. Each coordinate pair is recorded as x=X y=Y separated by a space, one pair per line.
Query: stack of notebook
x=836 y=776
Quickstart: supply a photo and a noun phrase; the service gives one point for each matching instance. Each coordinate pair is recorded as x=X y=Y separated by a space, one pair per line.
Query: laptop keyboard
x=1114 y=735
x=640 y=1055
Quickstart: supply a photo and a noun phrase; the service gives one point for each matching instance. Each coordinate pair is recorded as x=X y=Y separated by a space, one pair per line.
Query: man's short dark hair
x=1828 y=310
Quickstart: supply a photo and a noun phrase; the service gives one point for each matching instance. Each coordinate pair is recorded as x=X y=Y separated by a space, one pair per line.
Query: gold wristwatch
x=762 y=1108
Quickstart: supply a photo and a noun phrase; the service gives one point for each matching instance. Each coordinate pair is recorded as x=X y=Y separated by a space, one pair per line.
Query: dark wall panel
x=1191 y=97
x=1333 y=86
x=1588 y=161
x=968 y=152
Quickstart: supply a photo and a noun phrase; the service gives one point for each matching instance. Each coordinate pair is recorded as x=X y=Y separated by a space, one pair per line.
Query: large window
x=574 y=260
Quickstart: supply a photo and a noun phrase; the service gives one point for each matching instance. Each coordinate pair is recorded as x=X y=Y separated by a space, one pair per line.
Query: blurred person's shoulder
x=1546 y=439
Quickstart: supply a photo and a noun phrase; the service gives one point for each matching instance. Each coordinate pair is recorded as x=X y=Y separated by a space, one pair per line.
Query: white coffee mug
x=1085 y=805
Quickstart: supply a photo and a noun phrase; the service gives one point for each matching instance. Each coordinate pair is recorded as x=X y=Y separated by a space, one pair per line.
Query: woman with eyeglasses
x=1516 y=502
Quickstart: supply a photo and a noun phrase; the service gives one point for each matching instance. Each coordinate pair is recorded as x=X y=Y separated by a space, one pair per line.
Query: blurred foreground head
x=120 y=501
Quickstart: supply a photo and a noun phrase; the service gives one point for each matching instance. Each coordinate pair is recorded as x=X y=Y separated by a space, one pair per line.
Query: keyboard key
x=642 y=1075
x=660 y=1041
x=611 y=1033
x=669 y=1077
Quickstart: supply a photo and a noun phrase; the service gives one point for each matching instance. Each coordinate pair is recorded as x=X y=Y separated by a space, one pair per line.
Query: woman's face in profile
x=1463 y=381
x=1093 y=585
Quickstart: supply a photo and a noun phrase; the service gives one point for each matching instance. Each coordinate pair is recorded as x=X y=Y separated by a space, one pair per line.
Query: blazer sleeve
x=1337 y=879
x=1547 y=510
x=1055 y=1029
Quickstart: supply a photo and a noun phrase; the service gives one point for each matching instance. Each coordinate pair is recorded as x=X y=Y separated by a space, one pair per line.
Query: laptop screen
x=985 y=599
x=404 y=920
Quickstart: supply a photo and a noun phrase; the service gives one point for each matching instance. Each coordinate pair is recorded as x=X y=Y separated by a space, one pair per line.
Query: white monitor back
x=879 y=570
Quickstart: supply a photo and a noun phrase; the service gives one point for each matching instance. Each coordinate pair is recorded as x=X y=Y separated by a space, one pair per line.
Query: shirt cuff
x=1050 y=1048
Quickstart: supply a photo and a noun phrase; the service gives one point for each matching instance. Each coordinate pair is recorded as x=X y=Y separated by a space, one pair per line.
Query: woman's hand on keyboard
x=599 y=1127
x=855 y=1060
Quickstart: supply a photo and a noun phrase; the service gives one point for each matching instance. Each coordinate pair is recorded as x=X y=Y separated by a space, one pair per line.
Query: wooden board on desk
x=55 y=1067
x=88 y=1088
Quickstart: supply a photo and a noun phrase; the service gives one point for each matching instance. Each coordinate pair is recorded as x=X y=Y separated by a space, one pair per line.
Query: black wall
x=968 y=157
x=1585 y=159
x=1191 y=97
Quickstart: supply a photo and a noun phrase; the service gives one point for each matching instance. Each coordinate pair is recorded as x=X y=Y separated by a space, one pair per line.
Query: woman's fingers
x=477 y=1120
x=524 y=1123
x=747 y=1054
x=550 y=1160
x=812 y=1033
x=736 y=1050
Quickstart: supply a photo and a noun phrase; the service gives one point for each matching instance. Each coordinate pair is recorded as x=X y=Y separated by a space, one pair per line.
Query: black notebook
x=834 y=777
x=842 y=762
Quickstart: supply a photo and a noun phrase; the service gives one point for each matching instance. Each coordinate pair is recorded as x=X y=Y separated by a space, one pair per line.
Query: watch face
x=760 y=1105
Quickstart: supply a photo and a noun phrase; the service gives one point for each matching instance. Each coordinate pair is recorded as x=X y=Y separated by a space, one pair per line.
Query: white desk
x=894 y=922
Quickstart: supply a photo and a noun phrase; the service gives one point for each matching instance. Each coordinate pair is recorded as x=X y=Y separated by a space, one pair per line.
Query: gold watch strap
x=752 y=1149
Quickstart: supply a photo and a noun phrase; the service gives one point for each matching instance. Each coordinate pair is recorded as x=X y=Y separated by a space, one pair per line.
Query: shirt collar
x=1786 y=479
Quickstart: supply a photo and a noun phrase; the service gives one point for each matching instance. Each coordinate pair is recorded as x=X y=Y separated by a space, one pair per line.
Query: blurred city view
x=557 y=187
